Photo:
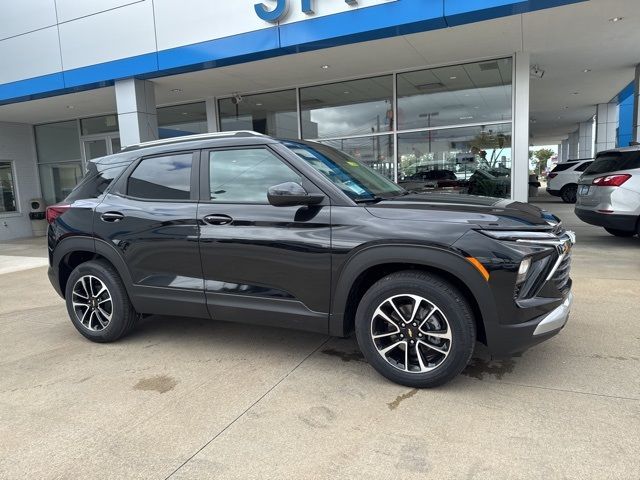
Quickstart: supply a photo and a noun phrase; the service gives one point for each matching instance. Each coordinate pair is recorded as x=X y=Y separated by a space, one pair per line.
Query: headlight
x=523 y=269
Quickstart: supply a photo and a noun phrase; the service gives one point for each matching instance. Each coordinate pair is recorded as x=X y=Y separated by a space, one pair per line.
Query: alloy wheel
x=411 y=333
x=92 y=303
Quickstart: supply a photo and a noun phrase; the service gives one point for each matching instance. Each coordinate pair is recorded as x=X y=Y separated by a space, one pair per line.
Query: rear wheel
x=620 y=233
x=98 y=303
x=569 y=193
x=415 y=329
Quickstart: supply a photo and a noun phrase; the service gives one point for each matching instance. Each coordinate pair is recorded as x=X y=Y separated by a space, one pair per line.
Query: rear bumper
x=607 y=220
x=54 y=279
x=513 y=339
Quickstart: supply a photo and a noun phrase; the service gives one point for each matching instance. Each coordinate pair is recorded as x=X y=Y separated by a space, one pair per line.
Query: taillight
x=54 y=211
x=611 y=180
x=552 y=175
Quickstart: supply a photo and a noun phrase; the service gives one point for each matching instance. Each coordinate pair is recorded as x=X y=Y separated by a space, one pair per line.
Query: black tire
x=435 y=291
x=569 y=193
x=620 y=233
x=123 y=316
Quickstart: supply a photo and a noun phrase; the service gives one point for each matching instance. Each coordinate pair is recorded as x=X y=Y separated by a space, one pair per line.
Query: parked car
x=609 y=192
x=430 y=179
x=562 y=181
x=245 y=228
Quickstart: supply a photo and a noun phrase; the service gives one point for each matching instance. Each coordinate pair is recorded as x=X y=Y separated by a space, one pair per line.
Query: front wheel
x=620 y=233
x=415 y=329
x=98 y=303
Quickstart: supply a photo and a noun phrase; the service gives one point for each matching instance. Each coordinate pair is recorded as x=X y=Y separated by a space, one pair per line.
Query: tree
x=542 y=157
x=489 y=140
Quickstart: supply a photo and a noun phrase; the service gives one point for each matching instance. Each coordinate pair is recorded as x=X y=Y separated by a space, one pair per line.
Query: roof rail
x=190 y=138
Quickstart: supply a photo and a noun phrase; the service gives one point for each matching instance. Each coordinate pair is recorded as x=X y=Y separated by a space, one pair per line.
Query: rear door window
x=583 y=167
x=165 y=177
x=613 y=162
x=561 y=167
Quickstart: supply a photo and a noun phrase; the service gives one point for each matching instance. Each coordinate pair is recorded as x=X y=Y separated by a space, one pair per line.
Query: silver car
x=609 y=192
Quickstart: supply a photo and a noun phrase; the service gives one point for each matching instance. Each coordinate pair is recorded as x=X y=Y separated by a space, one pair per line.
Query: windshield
x=614 y=161
x=352 y=177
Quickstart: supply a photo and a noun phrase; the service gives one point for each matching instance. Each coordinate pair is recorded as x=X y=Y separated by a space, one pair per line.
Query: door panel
x=159 y=244
x=262 y=264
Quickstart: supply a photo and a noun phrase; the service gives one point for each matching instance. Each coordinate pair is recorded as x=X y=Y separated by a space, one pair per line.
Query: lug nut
x=415 y=324
x=411 y=342
x=402 y=325
x=401 y=336
x=420 y=335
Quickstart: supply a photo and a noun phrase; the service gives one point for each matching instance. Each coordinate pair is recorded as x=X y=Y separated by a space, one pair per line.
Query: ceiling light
x=466 y=118
x=258 y=104
x=176 y=90
x=586 y=70
x=346 y=92
x=615 y=19
x=325 y=67
x=452 y=78
x=185 y=113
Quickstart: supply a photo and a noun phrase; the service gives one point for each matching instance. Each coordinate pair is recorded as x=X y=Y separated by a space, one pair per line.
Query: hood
x=486 y=212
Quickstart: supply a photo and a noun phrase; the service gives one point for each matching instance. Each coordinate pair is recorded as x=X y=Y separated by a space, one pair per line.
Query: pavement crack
x=400 y=398
x=246 y=410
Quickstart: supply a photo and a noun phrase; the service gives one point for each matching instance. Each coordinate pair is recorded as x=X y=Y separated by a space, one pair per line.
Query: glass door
x=97 y=146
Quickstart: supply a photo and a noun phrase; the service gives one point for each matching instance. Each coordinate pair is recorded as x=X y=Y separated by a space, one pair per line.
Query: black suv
x=245 y=228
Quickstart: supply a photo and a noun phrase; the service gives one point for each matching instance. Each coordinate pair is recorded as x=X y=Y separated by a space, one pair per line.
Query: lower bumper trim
x=556 y=319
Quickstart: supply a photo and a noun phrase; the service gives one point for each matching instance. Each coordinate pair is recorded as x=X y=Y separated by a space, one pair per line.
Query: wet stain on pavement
x=318 y=417
x=613 y=357
x=158 y=383
x=400 y=398
x=344 y=356
x=479 y=367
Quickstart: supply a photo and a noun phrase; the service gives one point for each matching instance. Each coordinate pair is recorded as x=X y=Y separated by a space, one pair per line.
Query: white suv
x=609 y=192
x=562 y=181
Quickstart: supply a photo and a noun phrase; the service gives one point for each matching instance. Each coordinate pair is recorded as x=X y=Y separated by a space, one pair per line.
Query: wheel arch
x=368 y=266
x=71 y=252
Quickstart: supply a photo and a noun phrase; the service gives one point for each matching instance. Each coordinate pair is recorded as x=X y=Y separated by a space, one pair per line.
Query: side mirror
x=289 y=194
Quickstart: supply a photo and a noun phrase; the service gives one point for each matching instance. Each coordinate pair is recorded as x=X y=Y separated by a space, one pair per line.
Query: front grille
x=561 y=276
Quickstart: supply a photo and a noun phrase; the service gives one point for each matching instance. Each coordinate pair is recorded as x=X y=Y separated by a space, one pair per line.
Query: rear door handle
x=111 y=217
x=218 y=219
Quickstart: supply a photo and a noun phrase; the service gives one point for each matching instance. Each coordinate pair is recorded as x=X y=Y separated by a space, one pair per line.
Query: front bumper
x=509 y=340
x=556 y=319
x=607 y=220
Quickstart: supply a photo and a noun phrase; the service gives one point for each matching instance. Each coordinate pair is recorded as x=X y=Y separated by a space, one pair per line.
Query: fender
x=427 y=256
x=94 y=245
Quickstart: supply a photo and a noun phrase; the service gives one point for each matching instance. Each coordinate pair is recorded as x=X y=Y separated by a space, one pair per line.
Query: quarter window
x=245 y=175
x=162 y=178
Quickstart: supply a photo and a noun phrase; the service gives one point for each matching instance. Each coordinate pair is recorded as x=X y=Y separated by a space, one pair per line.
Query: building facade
x=84 y=79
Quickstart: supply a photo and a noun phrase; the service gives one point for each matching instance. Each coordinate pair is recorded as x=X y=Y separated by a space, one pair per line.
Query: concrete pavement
x=184 y=399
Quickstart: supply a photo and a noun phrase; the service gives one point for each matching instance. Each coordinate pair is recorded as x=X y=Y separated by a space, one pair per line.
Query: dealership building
x=405 y=86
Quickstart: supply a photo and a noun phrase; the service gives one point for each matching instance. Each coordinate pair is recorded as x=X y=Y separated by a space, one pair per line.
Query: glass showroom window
x=272 y=113
x=347 y=109
x=59 y=159
x=473 y=160
x=7 y=189
x=179 y=120
x=375 y=152
x=460 y=94
x=97 y=125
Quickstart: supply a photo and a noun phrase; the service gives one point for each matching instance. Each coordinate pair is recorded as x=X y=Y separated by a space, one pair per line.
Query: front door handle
x=218 y=219
x=111 y=216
